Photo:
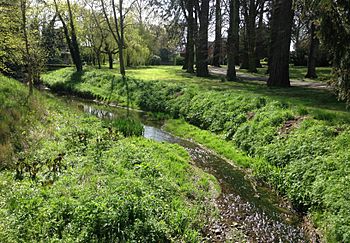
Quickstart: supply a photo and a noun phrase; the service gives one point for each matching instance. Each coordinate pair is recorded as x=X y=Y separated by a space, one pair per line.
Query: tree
x=250 y=16
x=233 y=38
x=117 y=30
x=96 y=34
x=313 y=49
x=262 y=34
x=191 y=29
x=335 y=33
x=281 y=27
x=71 y=36
x=33 y=54
x=218 y=36
x=11 y=38
x=27 y=54
x=118 y=33
x=202 y=47
x=309 y=15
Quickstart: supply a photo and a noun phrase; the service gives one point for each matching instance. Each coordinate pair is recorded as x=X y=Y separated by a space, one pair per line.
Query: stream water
x=246 y=208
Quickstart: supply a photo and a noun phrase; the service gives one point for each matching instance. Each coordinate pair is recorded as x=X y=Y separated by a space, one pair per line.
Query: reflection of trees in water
x=99 y=113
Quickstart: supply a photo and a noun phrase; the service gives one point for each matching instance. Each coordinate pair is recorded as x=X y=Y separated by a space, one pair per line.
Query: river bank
x=299 y=148
x=77 y=178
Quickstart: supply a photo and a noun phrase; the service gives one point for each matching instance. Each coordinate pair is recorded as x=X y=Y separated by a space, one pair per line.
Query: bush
x=179 y=60
x=128 y=127
x=154 y=60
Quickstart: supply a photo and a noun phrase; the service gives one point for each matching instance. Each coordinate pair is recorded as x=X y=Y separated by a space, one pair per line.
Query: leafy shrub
x=179 y=60
x=128 y=127
x=154 y=60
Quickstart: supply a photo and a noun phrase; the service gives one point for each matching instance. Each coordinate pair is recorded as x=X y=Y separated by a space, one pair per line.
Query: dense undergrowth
x=300 y=150
x=17 y=119
x=78 y=179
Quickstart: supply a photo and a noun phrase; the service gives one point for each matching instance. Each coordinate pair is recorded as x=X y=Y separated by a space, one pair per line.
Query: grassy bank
x=78 y=178
x=297 y=139
x=18 y=117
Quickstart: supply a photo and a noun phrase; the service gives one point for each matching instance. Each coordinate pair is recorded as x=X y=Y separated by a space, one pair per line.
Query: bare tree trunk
x=244 y=52
x=72 y=41
x=314 y=44
x=251 y=37
x=282 y=19
x=190 y=38
x=259 y=50
x=185 y=66
x=118 y=36
x=233 y=35
x=110 y=59
x=218 y=38
x=78 y=63
x=202 y=47
x=98 y=57
x=28 y=62
x=244 y=56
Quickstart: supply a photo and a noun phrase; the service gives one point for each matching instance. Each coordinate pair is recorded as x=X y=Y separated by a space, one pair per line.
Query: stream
x=246 y=207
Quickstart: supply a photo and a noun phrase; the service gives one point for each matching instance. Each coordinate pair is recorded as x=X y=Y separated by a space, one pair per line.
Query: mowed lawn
x=304 y=97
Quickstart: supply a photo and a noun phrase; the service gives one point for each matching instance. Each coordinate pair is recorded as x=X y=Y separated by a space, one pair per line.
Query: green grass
x=297 y=138
x=98 y=84
x=17 y=119
x=128 y=127
x=296 y=73
x=214 y=142
x=77 y=179
x=299 y=96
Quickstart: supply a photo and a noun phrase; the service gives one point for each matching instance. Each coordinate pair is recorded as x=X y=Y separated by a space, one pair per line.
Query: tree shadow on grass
x=76 y=77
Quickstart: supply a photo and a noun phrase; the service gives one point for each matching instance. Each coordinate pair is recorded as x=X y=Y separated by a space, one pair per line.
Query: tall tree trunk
x=314 y=44
x=28 y=62
x=185 y=66
x=233 y=38
x=98 y=57
x=184 y=7
x=244 y=52
x=110 y=60
x=119 y=33
x=76 y=52
x=202 y=47
x=259 y=50
x=72 y=41
x=251 y=37
x=218 y=39
x=281 y=28
x=191 y=35
x=244 y=55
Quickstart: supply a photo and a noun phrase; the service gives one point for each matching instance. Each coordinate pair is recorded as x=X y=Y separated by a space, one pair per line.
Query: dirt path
x=256 y=79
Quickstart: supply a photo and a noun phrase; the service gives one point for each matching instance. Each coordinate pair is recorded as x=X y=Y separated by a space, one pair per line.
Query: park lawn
x=316 y=100
x=297 y=139
x=296 y=73
x=319 y=101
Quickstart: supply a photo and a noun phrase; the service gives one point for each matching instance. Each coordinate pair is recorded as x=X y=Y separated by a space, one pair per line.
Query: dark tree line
x=256 y=29
x=244 y=47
